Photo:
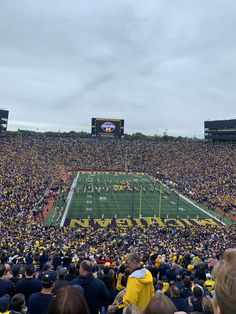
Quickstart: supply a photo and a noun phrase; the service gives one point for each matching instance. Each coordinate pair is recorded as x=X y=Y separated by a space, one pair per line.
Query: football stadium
x=117 y=157
x=148 y=205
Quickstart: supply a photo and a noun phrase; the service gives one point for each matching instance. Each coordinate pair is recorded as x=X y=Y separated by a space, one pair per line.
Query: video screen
x=107 y=127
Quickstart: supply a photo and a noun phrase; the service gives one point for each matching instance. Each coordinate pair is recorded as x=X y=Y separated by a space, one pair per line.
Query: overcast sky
x=158 y=64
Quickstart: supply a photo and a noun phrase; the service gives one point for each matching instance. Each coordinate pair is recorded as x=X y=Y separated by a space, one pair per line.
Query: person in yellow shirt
x=209 y=283
x=139 y=289
x=121 y=272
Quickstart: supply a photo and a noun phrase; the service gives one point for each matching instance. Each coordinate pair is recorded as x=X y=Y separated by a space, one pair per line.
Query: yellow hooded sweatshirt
x=139 y=289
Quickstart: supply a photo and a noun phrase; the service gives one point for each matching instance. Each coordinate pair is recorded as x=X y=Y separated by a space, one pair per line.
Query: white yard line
x=201 y=209
x=68 y=200
x=192 y=203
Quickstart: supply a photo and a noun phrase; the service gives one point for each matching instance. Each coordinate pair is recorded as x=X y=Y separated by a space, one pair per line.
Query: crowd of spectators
x=30 y=167
x=154 y=283
x=30 y=164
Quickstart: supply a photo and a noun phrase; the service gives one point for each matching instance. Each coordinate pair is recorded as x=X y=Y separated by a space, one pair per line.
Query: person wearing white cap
x=209 y=283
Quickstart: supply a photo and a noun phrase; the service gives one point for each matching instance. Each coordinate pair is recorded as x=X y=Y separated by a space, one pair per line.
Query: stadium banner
x=145 y=221
x=103 y=127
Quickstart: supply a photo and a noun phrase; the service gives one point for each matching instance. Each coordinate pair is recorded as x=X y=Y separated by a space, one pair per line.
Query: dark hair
x=17 y=302
x=122 y=269
x=68 y=301
x=86 y=266
x=176 y=291
x=46 y=266
x=72 y=268
x=106 y=270
x=15 y=270
x=29 y=270
x=124 y=278
x=187 y=282
x=2 y=270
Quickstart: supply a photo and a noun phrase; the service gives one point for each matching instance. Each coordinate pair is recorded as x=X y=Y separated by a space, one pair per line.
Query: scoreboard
x=3 y=119
x=107 y=127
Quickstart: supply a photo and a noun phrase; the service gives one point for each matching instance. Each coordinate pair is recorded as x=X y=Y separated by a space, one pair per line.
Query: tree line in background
x=86 y=135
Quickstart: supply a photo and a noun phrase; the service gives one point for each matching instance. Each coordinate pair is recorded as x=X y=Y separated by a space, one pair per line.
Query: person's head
x=133 y=260
x=72 y=268
x=17 y=302
x=68 y=301
x=122 y=268
x=160 y=304
x=4 y=303
x=207 y=305
x=176 y=291
x=85 y=268
x=105 y=270
x=48 y=279
x=187 y=282
x=29 y=270
x=225 y=283
x=15 y=270
x=61 y=273
x=46 y=266
x=5 y=272
x=178 y=278
x=208 y=276
x=198 y=292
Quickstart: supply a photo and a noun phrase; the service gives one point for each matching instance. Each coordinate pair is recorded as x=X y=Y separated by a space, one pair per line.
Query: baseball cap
x=208 y=275
x=4 y=301
x=48 y=278
x=29 y=269
x=190 y=267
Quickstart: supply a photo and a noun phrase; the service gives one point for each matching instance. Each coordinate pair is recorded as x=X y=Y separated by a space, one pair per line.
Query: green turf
x=95 y=195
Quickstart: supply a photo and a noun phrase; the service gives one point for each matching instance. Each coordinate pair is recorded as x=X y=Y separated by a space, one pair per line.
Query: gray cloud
x=157 y=64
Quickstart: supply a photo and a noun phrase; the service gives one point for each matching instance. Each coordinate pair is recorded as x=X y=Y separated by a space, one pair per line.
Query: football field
x=117 y=195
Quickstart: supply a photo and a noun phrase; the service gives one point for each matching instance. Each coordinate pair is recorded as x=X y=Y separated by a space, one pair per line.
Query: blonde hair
x=225 y=282
x=207 y=305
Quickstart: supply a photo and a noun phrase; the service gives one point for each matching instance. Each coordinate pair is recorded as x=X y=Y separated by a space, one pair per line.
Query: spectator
x=139 y=289
x=195 y=301
x=207 y=306
x=17 y=304
x=95 y=291
x=29 y=284
x=124 y=278
x=160 y=304
x=6 y=286
x=180 y=303
x=68 y=301
x=15 y=274
x=225 y=284
x=186 y=292
x=4 y=303
x=40 y=301
x=120 y=274
x=61 y=281
x=209 y=283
